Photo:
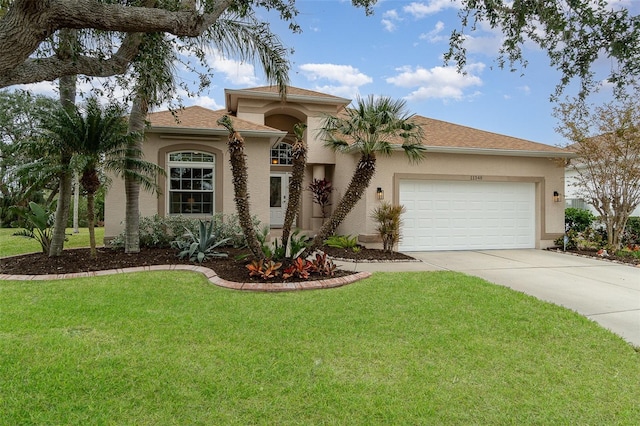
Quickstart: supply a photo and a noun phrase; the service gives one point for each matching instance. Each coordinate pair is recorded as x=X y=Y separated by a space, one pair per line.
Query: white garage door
x=467 y=215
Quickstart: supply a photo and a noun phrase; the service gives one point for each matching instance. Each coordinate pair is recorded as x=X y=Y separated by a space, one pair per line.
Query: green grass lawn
x=11 y=245
x=168 y=348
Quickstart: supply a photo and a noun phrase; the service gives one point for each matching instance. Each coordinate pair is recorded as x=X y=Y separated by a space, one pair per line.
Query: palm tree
x=154 y=84
x=68 y=45
x=237 y=159
x=92 y=140
x=374 y=126
x=299 y=155
x=104 y=134
x=234 y=34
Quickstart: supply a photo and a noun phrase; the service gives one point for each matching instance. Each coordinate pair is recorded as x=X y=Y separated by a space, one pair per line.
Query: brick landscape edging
x=207 y=272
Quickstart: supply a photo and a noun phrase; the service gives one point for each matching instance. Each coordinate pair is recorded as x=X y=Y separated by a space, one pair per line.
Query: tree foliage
x=574 y=34
x=375 y=125
x=606 y=140
x=20 y=115
x=29 y=28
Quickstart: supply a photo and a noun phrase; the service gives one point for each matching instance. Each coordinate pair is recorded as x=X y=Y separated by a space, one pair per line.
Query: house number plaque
x=476 y=177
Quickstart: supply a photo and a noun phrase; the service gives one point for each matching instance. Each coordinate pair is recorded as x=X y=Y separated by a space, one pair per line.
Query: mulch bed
x=629 y=260
x=232 y=268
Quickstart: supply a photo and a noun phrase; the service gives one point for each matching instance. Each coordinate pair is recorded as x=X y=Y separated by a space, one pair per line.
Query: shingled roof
x=442 y=134
x=197 y=117
x=293 y=91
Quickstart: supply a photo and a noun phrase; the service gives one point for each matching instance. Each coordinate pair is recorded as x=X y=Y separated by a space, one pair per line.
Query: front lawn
x=11 y=245
x=411 y=348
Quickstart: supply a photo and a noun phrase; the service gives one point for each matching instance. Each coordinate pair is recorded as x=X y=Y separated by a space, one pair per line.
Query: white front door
x=278 y=198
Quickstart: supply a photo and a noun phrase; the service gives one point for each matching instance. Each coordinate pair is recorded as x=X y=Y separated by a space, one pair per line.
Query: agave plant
x=202 y=246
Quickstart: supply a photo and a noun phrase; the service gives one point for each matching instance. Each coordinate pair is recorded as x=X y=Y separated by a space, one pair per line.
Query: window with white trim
x=191 y=182
x=281 y=154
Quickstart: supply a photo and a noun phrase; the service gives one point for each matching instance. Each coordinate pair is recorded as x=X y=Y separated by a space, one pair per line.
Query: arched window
x=281 y=154
x=191 y=182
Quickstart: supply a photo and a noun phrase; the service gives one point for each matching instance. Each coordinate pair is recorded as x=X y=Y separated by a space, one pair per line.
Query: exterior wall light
x=556 y=197
x=379 y=194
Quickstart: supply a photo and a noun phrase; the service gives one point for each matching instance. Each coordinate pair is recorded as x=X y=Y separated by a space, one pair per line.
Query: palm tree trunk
x=91 y=220
x=62 y=210
x=67 y=99
x=295 y=188
x=139 y=111
x=359 y=183
x=237 y=159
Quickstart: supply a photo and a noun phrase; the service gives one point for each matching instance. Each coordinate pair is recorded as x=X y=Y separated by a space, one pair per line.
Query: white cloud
x=338 y=80
x=525 y=89
x=345 y=75
x=206 y=102
x=236 y=72
x=388 y=25
x=434 y=36
x=389 y=20
x=437 y=82
x=421 y=9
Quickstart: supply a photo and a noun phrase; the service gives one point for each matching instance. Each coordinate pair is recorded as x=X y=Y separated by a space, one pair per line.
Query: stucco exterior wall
x=156 y=148
x=545 y=173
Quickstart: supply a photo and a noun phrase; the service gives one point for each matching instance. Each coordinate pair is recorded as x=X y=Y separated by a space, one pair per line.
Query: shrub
x=342 y=241
x=578 y=220
x=264 y=269
x=388 y=218
x=321 y=192
x=38 y=224
x=159 y=232
x=631 y=234
x=299 y=268
x=200 y=246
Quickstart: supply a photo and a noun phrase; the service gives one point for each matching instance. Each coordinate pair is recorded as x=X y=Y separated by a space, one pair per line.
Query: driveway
x=605 y=292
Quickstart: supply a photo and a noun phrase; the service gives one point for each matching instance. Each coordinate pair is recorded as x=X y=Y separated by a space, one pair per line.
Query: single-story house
x=474 y=190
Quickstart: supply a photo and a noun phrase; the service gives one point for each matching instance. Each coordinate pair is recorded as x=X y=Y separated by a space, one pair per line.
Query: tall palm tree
x=299 y=155
x=234 y=34
x=154 y=84
x=375 y=126
x=68 y=46
x=237 y=159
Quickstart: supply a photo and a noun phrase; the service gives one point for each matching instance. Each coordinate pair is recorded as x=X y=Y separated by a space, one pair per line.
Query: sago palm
x=375 y=126
x=299 y=159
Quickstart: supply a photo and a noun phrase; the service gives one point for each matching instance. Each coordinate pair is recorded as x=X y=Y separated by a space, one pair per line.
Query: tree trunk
x=239 y=172
x=365 y=170
x=91 y=221
x=295 y=189
x=137 y=118
x=76 y=203
x=68 y=100
x=62 y=210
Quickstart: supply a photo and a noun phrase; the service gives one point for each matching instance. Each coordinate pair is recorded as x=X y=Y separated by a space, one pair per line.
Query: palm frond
x=250 y=40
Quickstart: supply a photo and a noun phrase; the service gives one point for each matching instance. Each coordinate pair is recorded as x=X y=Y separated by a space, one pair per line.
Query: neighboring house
x=572 y=193
x=474 y=190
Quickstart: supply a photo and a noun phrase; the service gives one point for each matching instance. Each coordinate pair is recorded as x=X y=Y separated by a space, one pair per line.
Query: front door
x=279 y=196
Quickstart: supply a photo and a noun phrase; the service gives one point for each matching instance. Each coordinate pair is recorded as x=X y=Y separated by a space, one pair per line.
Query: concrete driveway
x=605 y=292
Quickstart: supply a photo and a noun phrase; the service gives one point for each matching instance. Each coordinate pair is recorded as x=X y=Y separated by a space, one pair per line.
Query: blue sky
x=398 y=52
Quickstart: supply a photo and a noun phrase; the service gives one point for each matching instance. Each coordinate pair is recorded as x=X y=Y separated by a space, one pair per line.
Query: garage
x=467 y=215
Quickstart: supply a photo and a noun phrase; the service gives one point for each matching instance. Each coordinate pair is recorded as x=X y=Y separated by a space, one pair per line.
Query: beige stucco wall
x=544 y=172
x=155 y=149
